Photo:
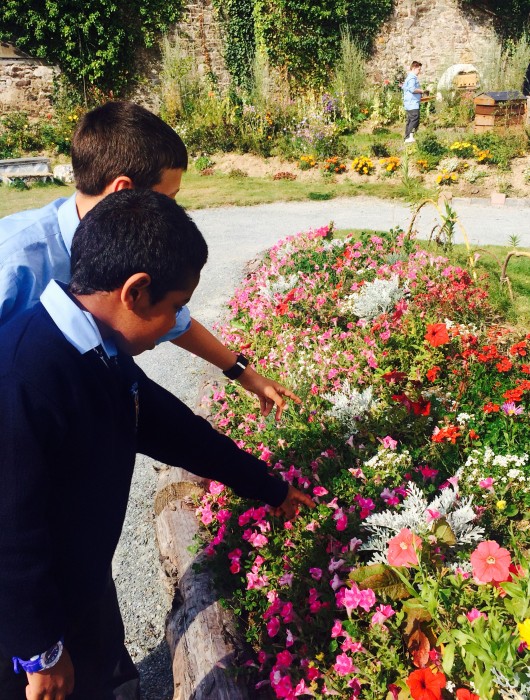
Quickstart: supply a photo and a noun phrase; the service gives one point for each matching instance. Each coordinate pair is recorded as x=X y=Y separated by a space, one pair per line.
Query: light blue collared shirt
x=411 y=99
x=34 y=249
x=78 y=326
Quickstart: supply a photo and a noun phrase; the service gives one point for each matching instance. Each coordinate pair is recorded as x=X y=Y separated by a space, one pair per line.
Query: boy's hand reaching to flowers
x=290 y=507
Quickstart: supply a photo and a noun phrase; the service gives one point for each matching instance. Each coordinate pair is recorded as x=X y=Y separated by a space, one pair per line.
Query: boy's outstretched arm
x=202 y=343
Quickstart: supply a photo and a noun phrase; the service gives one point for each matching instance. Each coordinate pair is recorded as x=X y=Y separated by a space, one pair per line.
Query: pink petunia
x=273 y=626
x=475 y=614
x=403 y=549
x=337 y=630
x=381 y=615
x=486 y=483
x=343 y=665
x=490 y=562
x=389 y=443
x=316 y=573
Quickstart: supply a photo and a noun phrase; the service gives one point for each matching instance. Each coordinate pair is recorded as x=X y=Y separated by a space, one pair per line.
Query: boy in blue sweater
x=412 y=93
x=72 y=417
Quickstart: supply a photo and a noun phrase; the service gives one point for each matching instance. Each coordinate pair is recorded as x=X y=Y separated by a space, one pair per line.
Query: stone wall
x=436 y=33
x=25 y=84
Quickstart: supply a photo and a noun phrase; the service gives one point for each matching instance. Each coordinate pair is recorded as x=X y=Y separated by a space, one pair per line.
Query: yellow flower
x=524 y=630
x=500 y=505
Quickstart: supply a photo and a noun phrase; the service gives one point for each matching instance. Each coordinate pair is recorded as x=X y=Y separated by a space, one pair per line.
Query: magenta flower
x=316 y=573
x=389 y=443
x=337 y=630
x=273 y=626
x=343 y=665
x=475 y=614
x=511 y=409
x=486 y=483
x=320 y=491
x=382 y=613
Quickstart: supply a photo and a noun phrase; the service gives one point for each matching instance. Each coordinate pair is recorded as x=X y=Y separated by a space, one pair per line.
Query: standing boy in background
x=412 y=93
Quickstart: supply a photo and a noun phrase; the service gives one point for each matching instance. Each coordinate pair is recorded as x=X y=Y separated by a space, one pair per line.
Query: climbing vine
x=514 y=15
x=300 y=37
x=94 y=42
x=237 y=18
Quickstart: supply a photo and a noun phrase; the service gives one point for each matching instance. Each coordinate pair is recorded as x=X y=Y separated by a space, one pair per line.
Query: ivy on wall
x=300 y=37
x=237 y=17
x=93 y=42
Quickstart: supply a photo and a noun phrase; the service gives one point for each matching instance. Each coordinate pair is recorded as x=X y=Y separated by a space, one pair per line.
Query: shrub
x=307 y=162
x=390 y=164
x=380 y=149
x=284 y=175
x=501 y=148
x=237 y=173
x=203 y=163
x=333 y=165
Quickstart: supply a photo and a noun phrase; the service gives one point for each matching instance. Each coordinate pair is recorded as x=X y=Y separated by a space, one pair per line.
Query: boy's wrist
x=39 y=662
x=237 y=369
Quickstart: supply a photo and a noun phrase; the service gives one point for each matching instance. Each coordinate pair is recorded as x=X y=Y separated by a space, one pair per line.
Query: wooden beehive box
x=499 y=110
x=465 y=81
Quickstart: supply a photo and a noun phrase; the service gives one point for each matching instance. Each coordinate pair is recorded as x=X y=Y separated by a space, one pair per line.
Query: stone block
x=498 y=199
x=64 y=173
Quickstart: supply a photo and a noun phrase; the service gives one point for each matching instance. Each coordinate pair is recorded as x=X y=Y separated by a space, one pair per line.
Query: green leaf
x=382 y=579
x=448 y=658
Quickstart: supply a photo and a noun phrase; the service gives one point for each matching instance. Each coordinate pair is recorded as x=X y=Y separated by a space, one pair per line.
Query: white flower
x=373 y=299
x=349 y=405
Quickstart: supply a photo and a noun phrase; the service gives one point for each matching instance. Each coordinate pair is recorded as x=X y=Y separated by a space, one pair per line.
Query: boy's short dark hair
x=134 y=231
x=122 y=138
x=415 y=64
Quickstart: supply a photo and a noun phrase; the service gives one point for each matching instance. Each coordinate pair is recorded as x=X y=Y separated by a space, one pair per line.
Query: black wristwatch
x=236 y=370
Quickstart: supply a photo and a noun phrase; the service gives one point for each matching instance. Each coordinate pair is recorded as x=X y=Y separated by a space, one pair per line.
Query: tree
x=94 y=42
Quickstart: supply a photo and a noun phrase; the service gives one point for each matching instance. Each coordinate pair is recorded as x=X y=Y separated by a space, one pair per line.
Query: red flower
x=473 y=435
x=525 y=369
x=504 y=365
x=465 y=694
x=394 y=376
x=519 y=349
x=514 y=394
x=450 y=433
x=437 y=334
x=491 y=408
x=426 y=685
x=421 y=407
x=432 y=373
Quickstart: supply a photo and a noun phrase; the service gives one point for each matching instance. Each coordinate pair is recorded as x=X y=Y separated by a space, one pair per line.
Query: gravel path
x=235 y=235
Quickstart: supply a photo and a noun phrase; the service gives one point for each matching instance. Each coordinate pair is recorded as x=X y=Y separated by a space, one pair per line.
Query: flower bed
x=410 y=577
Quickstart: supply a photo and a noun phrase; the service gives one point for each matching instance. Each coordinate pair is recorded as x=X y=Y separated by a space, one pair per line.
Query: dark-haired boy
x=73 y=415
x=119 y=145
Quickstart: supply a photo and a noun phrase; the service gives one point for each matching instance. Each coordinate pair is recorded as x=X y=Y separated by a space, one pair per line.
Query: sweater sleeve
x=171 y=433
x=31 y=617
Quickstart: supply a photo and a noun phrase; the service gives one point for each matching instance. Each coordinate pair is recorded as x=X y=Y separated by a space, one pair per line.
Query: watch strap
x=40 y=662
x=237 y=370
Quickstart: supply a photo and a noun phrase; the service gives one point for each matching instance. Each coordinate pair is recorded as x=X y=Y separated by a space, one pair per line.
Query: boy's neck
x=85 y=202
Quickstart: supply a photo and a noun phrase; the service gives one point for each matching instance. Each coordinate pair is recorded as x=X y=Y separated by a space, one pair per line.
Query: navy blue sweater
x=70 y=432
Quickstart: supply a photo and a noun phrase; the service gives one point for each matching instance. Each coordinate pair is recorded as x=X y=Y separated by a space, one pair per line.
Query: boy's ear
x=122 y=182
x=135 y=289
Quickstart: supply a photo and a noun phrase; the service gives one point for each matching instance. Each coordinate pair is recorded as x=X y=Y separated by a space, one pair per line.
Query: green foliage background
x=92 y=42
x=300 y=37
x=513 y=14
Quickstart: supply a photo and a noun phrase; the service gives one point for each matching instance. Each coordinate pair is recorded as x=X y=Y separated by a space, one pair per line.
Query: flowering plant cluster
x=390 y=164
x=307 y=162
x=409 y=579
x=363 y=165
x=333 y=165
x=446 y=178
x=465 y=149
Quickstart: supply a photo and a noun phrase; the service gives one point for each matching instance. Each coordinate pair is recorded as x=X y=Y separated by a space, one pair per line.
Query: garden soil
x=235 y=236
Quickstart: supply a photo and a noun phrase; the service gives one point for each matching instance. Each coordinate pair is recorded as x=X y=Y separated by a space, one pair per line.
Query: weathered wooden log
x=201 y=635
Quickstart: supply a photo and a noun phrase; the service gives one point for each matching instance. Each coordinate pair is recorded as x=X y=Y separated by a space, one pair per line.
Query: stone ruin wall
x=26 y=84
x=436 y=33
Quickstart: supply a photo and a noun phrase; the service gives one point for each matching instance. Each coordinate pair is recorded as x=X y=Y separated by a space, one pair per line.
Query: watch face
x=50 y=657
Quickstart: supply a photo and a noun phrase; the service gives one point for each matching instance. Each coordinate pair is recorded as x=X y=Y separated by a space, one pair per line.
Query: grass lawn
x=220 y=189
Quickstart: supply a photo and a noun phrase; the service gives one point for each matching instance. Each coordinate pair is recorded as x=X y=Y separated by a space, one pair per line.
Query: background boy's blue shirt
x=35 y=248
x=411 y=99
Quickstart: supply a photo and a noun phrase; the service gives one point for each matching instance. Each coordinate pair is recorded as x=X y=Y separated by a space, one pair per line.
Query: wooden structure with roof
x=499 y=110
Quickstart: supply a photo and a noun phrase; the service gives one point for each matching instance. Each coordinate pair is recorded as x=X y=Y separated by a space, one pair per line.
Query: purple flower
x=510 y=409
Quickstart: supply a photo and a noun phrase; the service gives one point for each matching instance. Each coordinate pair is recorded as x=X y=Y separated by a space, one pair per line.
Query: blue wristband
x=40 y=662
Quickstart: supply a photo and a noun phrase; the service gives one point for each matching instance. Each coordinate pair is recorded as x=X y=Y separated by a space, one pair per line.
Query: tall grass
x=180 y=83
x=349 y=82
x=503 y=66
